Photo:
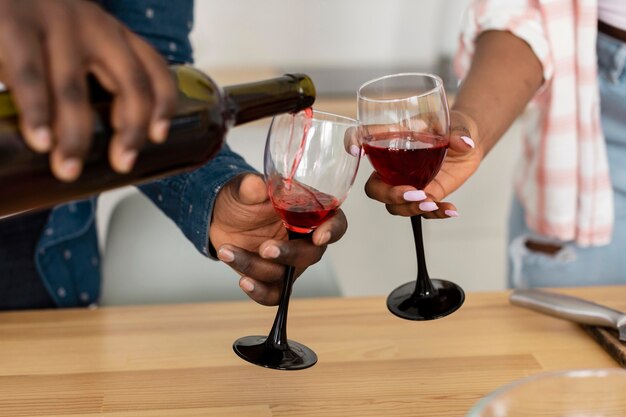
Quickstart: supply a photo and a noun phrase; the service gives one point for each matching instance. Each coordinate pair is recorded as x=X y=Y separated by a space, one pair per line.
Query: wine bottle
x=204 y=113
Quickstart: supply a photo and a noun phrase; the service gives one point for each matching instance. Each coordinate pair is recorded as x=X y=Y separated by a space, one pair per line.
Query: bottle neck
x=253 y=101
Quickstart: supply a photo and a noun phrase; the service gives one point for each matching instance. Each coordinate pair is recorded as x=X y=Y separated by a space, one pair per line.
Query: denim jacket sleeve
x=188 y=198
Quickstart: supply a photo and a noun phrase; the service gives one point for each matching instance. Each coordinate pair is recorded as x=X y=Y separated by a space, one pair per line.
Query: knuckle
x=12 y=26
x=72 y=90
x=60 y=13
x=29 y=74
x=271 y=298
x=36 y=113
x=74 y=142
x=242 y=264
x=141 y=83
x=391 y=209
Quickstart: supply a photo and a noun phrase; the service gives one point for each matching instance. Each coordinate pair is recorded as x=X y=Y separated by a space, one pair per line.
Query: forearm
x=504 y=76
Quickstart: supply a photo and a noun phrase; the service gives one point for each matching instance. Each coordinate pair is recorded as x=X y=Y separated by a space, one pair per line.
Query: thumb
x=248 y=189
x=462 y=132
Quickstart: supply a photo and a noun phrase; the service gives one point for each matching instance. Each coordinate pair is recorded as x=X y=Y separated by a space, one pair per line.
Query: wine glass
x=309 y=171
x=404 y=130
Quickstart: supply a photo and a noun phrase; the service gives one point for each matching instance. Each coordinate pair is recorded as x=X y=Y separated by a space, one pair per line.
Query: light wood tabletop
x=177 y=360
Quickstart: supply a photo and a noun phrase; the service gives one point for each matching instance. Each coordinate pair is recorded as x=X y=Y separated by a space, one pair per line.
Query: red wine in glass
x=302 y=208
x=403 y=158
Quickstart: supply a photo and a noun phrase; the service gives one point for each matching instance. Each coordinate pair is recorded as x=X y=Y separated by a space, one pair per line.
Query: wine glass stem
x=278 y=335
x=423 y=285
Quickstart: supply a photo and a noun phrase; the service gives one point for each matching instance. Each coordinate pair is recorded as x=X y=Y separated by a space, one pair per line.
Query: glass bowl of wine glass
x=573 y=393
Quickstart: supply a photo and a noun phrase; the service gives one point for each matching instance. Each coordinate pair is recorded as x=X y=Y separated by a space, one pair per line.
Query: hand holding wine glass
x=308 y=174
x=250 y=238
x=461 y=161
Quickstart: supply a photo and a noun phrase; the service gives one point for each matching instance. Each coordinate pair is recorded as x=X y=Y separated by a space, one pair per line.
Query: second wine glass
x=404 y=129
x=308 y=171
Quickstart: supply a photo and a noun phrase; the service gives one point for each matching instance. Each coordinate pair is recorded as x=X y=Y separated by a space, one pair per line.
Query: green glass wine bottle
x=204 y=114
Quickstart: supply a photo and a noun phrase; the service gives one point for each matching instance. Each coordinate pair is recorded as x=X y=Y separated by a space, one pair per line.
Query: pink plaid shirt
x=563 y=181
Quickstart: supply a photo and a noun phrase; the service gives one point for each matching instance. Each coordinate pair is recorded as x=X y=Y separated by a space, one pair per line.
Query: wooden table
x=177 y=360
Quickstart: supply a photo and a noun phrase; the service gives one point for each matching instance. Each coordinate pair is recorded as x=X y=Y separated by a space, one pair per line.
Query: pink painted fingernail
x=452 y=213
x=468 y=141
x=246 y=285
x=415 y=195
x=225 y=255
x=428 y=206
x=271 y=252
x=354 y=150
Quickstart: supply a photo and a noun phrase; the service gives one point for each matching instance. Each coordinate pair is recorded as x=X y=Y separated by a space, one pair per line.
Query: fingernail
x=415 y=195
x=452 y=213
x=69 y=169
x=246 y=285
x=271 y=252
x=41 y=139
x=428 y=206
x=126 y=161
x=324 y=239
x=355 y=150
x=160 y=130
x=468 y=141
x=225 y=255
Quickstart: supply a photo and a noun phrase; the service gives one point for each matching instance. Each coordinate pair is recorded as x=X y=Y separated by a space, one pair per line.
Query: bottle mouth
x=307 y=90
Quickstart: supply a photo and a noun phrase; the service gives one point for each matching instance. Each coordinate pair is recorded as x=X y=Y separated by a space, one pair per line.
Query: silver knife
x=571 y=308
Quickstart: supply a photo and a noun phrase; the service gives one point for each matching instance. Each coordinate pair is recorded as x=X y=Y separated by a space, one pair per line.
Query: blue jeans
x=572 y=265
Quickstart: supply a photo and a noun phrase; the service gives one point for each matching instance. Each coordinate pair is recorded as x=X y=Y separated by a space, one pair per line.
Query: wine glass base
x=292 y=357
x=404 y=304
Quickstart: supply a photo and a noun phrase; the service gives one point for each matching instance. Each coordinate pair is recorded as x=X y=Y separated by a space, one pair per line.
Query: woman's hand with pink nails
x=462 y=159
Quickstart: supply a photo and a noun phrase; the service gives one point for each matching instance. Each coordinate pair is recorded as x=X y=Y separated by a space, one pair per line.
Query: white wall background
x=377 y=253
x=333 y=33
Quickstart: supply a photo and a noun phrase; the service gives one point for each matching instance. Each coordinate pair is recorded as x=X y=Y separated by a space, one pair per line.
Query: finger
x=24 y=72
x=250 y=264
x=331 y=230
x=377 y=189
x=461 y=143
x=300 y=253
x=73 y=114
x=444 y=210
x=462 y=131
x=120 y=72
x=251 y=189
x=428 y=209
x=262 y=293
x=352 y=142
x=163 y=88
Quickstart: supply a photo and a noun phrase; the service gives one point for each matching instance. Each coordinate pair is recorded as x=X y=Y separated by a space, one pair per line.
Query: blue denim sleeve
x=165 y=24
x=188 y=198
